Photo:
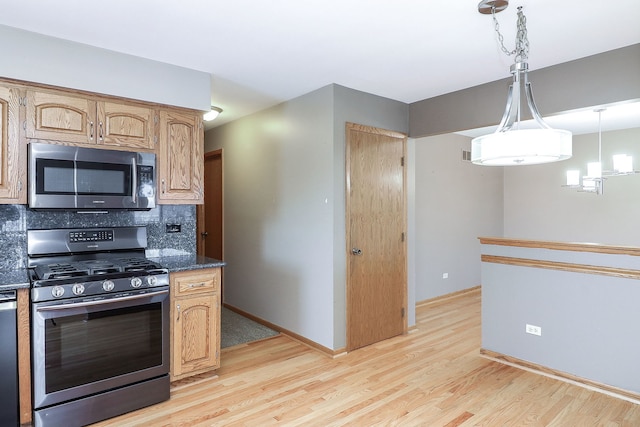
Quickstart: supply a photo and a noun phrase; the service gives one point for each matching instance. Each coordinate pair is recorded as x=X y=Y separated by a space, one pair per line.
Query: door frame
x=394 y=134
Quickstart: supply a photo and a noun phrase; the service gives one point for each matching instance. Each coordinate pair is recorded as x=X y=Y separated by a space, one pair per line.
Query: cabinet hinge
x=402 y=312
x=402 y=237
x=402 y=161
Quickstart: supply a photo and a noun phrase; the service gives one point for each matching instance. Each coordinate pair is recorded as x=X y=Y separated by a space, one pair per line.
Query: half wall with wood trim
x=584 y=298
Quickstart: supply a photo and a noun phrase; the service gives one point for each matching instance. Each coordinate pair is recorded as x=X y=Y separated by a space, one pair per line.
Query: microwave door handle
x=134 y=180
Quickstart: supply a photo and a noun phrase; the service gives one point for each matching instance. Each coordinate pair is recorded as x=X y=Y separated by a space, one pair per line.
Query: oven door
x=87 y=347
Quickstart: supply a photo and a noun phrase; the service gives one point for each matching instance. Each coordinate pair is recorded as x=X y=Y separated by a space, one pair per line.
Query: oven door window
x=90 y=347
x=65 y=177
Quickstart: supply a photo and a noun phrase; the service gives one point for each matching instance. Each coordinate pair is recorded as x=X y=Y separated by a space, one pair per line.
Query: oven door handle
x=90 y=303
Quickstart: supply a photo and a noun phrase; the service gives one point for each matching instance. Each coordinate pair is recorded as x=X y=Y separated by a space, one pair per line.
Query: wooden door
x=213 y=205
x=376 y=227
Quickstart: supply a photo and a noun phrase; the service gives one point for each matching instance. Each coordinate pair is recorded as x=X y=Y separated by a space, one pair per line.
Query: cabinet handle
x=19 y=186
x=101 y=133
x=196 y=285
x=91 y=131
x=164 y=186
x=178 y=308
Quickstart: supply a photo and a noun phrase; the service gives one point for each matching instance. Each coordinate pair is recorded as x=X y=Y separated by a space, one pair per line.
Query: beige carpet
x=237 y=329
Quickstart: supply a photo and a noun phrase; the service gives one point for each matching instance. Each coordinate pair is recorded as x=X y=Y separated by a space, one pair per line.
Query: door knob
x=204 y=234
x=356 y=251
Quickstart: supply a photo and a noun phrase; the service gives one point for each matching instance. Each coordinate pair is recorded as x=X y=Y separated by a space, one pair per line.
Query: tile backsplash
x=15 y=220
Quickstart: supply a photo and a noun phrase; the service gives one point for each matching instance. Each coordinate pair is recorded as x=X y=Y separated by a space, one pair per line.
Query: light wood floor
x=433 y=376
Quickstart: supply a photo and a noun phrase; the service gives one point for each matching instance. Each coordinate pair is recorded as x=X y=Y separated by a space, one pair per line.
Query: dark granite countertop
x=14 y=279
x=187 y=262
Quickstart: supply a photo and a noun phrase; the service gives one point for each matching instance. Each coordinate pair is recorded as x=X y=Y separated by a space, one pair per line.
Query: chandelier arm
x=504 y=123
x=512 y=113
x=532 y=105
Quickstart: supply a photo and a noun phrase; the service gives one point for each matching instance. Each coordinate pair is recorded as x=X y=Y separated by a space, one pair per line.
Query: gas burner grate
x=94 y=267
x=60 y=271
x=137 y=264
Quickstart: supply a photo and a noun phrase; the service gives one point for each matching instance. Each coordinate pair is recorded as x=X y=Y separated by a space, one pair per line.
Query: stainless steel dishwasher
x=8 y=360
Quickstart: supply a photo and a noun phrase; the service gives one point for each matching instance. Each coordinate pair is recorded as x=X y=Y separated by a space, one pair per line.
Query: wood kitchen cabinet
x=180 y=158
x=12 y=153
x=77 y=119
x=195 y=322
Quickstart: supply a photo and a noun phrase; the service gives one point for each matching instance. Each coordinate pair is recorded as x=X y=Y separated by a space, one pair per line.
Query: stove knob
x=57 y=291
x=136 y=282
x=78 y=289
x=152 y=280
x=108 y=285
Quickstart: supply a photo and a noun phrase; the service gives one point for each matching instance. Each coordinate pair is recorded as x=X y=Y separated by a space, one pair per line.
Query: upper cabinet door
x=124 y=125
x=12 y=153
x=180 y=160
x=60 y=117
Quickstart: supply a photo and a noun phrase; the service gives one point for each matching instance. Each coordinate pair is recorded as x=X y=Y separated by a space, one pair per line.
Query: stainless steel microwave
x=78 y=178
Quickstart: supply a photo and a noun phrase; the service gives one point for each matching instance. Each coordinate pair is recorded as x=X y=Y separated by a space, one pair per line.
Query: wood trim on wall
x=562 y=376
x=446 y=297
x=562 y=246
x=563 y=266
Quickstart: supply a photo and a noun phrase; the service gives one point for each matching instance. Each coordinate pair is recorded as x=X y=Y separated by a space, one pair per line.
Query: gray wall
x=455 y=202
x=41 y=59
x=284 y=208
x=595 y=80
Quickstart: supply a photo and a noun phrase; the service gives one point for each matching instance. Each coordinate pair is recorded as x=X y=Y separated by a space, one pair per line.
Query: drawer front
x=193 y=282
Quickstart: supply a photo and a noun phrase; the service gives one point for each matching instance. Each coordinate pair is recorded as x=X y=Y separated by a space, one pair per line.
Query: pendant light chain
x=521 y=51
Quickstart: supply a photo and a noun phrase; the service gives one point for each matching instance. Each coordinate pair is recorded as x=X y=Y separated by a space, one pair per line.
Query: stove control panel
x=71 y=289
x=91 y=236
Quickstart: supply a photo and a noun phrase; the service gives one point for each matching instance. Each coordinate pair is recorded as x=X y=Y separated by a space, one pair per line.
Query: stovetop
x=93 y=267
x=90 y=263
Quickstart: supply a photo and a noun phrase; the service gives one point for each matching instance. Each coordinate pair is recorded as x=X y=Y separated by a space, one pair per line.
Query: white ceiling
x=261 y=53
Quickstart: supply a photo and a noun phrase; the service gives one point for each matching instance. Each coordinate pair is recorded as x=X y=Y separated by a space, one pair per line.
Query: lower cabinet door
x=196 y=335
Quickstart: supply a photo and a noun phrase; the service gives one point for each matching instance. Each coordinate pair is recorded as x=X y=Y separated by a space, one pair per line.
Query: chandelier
x=511 y=144
x=593 y=181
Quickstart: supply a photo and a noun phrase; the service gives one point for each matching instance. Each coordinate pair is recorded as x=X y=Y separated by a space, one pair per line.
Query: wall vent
x=466 y=156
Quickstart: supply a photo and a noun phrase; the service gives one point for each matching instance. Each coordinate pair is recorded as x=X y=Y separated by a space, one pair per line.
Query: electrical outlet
x=533 y=330
x=173 y=228
x=445 y=275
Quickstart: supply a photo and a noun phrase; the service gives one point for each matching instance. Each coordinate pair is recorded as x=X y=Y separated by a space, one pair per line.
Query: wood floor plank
x=433 y=376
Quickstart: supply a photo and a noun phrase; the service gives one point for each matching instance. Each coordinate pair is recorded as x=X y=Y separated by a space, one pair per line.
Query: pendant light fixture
x=511 y=144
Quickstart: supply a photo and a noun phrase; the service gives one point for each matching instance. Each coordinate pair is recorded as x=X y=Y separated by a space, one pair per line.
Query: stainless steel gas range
x=100 y=324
